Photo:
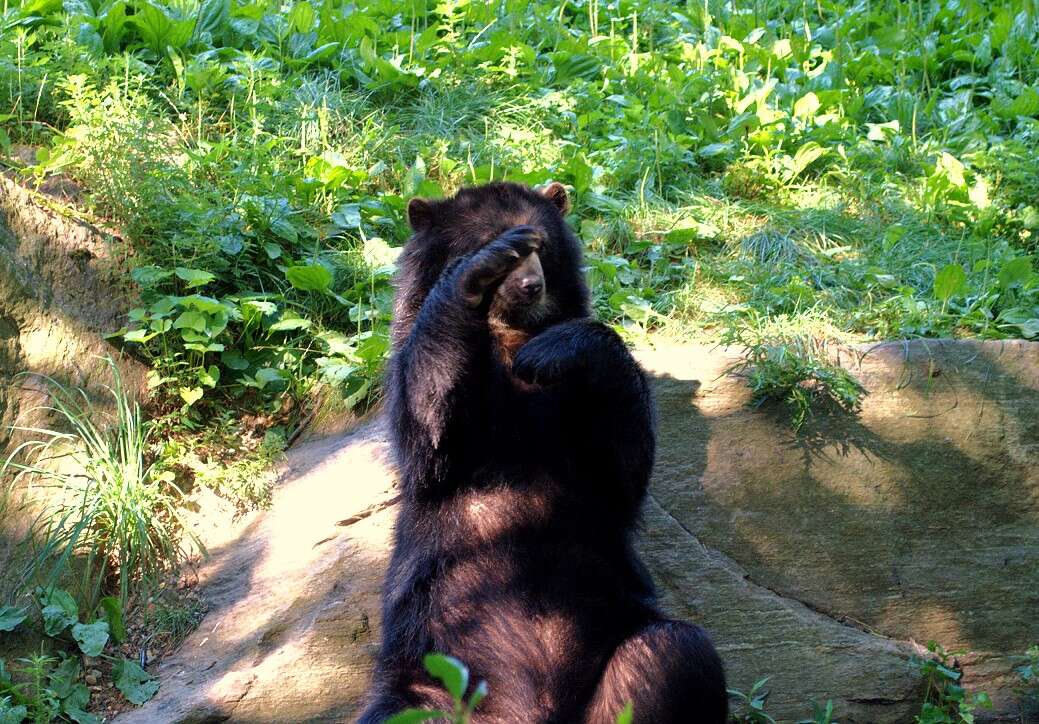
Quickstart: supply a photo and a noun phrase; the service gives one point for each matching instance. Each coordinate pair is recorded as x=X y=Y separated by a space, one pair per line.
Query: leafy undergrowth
x=866 y=166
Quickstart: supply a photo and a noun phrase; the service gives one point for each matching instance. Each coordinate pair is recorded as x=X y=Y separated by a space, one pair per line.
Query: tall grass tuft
x=110 y=525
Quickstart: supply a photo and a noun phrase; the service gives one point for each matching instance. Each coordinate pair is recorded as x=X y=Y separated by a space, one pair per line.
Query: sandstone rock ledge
x=819 y=559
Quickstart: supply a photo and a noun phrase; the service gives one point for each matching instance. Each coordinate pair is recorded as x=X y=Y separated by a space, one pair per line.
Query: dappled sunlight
x=293 y=591
x=898 y=521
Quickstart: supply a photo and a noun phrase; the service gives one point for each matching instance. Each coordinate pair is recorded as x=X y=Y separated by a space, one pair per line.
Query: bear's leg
x=670 y=672
x=381 y=709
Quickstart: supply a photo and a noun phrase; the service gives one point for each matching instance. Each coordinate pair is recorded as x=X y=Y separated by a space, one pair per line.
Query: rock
x=63 y=286
x=92 y=677
x=917 y=520
x=818 y=559
x=293 y=597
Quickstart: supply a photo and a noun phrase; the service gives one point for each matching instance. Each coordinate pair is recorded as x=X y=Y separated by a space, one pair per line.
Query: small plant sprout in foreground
x=454 y=676
x=752 y=704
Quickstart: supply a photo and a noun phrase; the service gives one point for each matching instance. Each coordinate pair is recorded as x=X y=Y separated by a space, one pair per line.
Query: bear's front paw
x=548 y=358
x=492 y=263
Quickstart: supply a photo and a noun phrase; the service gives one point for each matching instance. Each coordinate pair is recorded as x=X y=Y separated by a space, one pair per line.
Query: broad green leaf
x=148 y=276
x=715 y=149
x=1029 y=328
x=76 y=714
x=190 y=395
x=1016 y=272
x=806 y=106
x=62 y=679
x=268 y=375
x=286 y=324
x=10 y=617
x=159 y=29
x=949 y=282
x=138 y=335
x=202 y=304
x=59 y=610
x=91 y=637
x=194 y=277
x=191 y=320
x=978 y=194
x=233 y=359
x=1026 y=104
x=209 y=376
x=804 y=157
x=301 y=17
x=335 y=370
x=626 y=714
x=952 y=168
x=212 y=16
x=347 y=216
x=285 y=229
x=11 y=714
x=136 y=684
x=451 y=672
x=112 y=610
x=309 y=278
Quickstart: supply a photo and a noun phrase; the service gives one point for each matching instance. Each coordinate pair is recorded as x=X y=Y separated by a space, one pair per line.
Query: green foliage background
x=838 y=170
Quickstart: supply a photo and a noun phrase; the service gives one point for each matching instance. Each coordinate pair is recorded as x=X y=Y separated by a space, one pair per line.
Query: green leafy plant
x=113 y=524
x=945 y=699
x=1028 y=670
x=794 y=371
x=45 y=687
x=751 y=705
x=454 y=676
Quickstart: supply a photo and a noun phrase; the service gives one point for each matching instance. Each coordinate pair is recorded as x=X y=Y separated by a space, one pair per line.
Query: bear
x=523 y=432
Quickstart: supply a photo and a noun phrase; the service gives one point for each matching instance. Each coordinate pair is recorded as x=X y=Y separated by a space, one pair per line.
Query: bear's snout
x=526 y=283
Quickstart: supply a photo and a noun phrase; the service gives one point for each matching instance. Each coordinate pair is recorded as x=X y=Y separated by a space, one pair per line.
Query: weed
x=1028 y=670
x=169 y=618
x=44 y=687
x=945 y=699
x=454 y=677
x=112 y=523
x=751 y=705
x=794 y=370
x=233 y=464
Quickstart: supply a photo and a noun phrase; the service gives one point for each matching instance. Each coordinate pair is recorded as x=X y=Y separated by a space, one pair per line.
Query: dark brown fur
x=523 y=430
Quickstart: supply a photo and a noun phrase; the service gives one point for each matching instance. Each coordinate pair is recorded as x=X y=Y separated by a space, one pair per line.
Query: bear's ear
x=420 y=214
x=556 y=193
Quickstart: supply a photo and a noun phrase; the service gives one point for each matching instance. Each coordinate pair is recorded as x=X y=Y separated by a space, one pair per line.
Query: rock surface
x=818 y=558
x=62 y=288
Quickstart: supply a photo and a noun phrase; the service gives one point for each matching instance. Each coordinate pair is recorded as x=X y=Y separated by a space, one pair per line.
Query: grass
x=110 y=525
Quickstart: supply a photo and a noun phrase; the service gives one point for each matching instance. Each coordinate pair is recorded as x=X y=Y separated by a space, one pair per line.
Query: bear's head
x=547 y=288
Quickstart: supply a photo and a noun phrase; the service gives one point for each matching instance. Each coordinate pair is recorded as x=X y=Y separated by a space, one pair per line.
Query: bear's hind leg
x=669 y=671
